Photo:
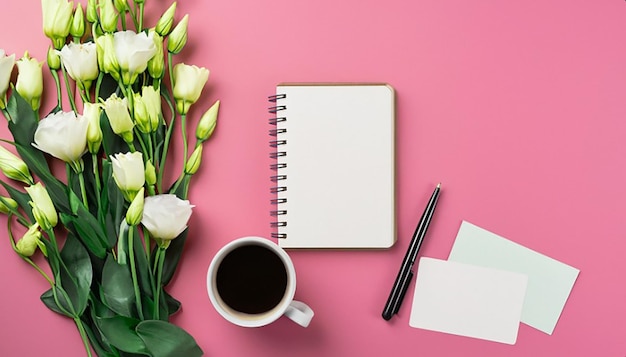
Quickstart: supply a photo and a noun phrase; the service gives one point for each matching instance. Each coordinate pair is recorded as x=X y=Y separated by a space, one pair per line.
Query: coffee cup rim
x=243 y=319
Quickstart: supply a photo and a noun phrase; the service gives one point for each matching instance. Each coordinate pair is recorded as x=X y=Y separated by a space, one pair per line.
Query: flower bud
x=6 y=68
x=94 y=132
x=116 y=110
x=135 y=210
x=107 y=60
x=150 y=173
x=156 y=65
x=91 y=12
x=13 y=167
x=43 y=209
x=53 y=59
x=57 y=19
x=108 y=16
x=7 y=204
x=194 y=161
x=121 y=6
x=165 y=23
x=77 y=28
x=178 y=37
x=27 y=245
x=188 y=84
x=30 y=80
x=207 y=122
x=128 y=173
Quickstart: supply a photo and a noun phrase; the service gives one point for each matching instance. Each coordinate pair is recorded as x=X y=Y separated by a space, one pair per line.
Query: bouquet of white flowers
x=112 y=231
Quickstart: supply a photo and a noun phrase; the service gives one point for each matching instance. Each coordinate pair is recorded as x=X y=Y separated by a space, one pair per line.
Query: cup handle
x=299 y=313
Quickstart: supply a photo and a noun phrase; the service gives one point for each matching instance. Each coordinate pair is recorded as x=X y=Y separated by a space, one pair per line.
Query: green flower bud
x=43 y=208
x=165 y=23
x=30 y=80
x=178 y=37
x=105 y=51
x=150 y=173
x=207 y=122
x=121 y=6
x=194 y=161
x=54 y=61
x=156 y=65
x=108 y=16
x=13 y=167
x=57 y=19
x=77 y=28
x=7 y=204
x=94 y=132
x=92 y=12
x=135 y=210
x=27 y=245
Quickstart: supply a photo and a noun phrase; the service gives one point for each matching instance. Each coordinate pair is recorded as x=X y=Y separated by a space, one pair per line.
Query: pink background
x=517 y=107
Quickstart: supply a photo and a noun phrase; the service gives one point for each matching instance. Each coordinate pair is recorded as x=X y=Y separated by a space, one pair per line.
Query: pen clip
x=403 y=292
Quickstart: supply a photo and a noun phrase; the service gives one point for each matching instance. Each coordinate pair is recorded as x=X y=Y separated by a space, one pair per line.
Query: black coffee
x=251 y=279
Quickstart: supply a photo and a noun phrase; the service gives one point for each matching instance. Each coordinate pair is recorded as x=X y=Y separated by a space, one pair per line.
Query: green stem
x=70 y=94
x=159 y=273
x=83 y=335
x=55 y=75
x=34 y=265
x=166 y=144
x=96 y=174
x=83 y=191
x=133 y=270
x=183 y=129
x=98 y=85
x=141 y=8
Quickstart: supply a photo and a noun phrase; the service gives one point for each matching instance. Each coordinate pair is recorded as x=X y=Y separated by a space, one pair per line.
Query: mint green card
x=549 y=281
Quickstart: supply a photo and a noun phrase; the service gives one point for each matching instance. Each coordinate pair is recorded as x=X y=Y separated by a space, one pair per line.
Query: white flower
x=133 y=51
x=6 y=67
x=128 y=172
x=80 y=61
x=165 y=216
x=30 y=80
x=62 y=135
x=188 y=84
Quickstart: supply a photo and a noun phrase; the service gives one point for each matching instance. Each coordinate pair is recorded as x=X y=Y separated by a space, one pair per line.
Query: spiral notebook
x=333 y=184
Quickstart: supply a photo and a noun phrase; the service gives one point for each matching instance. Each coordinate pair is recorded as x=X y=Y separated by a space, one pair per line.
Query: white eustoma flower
x=62 y=135
x=81 y=62
x=189 y=80
x=133 y=51
x=30 y=80
x=165 y=216
x=6 y=67
x=129 y=173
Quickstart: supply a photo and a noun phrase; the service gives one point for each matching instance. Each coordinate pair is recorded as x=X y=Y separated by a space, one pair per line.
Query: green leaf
x=119 y=331
x=48 y=299
x=166 y=340
x=86 y=234
x=173 y=305
x=117 y=287
x=76 y=274
x=24 y=119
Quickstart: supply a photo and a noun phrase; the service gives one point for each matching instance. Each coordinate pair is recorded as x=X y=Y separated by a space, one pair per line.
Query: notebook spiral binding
x=277 y=154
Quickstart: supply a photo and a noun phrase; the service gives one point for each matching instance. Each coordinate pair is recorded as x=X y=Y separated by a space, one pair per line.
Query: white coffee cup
x=297 y=311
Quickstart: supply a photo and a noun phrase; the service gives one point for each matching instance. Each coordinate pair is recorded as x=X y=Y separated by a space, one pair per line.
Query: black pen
x=406 y=269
